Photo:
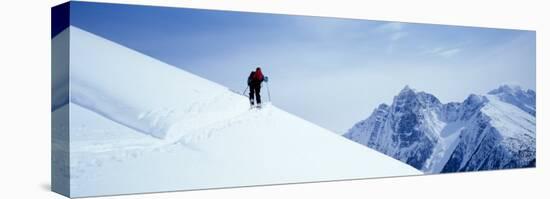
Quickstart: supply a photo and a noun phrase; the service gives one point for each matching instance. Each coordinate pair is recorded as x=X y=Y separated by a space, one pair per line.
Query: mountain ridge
x=434 y=137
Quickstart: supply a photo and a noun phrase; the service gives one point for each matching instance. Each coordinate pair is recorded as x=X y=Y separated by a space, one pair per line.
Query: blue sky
x=330 y=71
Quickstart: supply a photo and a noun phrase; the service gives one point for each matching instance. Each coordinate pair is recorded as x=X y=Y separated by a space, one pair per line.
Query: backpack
x=251 y=77
x=258 y=76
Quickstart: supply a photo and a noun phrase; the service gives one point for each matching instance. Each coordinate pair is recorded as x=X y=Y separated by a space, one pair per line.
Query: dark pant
x=255 y=91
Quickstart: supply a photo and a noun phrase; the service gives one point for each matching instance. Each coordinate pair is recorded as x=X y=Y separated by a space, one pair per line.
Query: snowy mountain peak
x=483 y=132
x=383 y=106
x=405 y=99
x=410 y=97
x=474 y=101
x=525 y=99
x=507 y=88
x=407 y=90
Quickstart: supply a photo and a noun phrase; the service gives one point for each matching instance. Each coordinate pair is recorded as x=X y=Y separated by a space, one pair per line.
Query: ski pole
x=268 y=94
x=245 y=90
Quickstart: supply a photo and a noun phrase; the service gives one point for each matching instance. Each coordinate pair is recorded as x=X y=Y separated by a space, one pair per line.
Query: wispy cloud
x=398 y=35
x=390 y=27
x=444 y=52
x=450 y=52
x=395 y=31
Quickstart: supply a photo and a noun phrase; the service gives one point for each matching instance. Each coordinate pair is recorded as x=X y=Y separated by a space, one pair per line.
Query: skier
x=255 y=80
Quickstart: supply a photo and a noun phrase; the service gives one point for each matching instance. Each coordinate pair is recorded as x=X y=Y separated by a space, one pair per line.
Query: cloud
x=395 y=32
x=398 y=35
x=450 y=52
x=390 y=27
x=444 y=52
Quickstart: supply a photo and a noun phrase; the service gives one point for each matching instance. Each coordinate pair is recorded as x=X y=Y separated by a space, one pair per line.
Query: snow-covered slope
x=141 y=92
x=484 y=132
x=140 y=125
x=501 y=136
x=513 y=94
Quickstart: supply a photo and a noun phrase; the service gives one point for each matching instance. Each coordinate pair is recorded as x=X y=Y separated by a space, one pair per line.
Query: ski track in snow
x=89 y=152
x=203 y=133
x=108 y=144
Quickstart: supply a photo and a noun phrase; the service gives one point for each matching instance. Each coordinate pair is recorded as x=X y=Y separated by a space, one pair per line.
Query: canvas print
x=152 y=99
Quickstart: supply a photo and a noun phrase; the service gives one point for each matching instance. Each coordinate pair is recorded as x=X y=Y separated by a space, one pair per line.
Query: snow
x=507 y=118
x=445 y=146
x=141 y=92
x=524 y=99
x=492 y=131
x=140 y=125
